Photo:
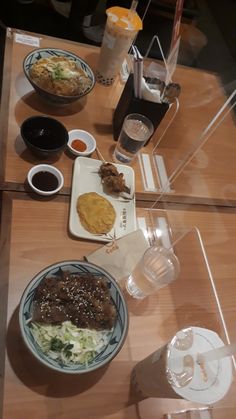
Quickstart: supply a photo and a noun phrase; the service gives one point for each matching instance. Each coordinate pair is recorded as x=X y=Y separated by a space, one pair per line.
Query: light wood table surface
x=35 y=234
x=210 y=177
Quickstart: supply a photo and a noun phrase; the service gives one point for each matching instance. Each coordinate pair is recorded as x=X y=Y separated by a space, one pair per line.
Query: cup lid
x=125 y=20
x=210 y=382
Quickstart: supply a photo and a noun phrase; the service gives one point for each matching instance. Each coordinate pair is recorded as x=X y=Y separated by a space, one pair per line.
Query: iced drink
x=157 y=268
x=121 y=28
x=173 y=370
x=135 y=132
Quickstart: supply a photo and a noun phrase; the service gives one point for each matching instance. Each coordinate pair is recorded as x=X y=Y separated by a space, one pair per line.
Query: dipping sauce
x=45 y=181
x=78 y=145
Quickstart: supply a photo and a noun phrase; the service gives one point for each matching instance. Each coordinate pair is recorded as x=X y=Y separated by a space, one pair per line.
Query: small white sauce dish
x=45 y=179
x=86 y=138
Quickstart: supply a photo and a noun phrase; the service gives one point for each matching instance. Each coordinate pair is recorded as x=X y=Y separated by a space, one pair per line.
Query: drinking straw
x=132 y=8
x=218 y=353
x=204 y=357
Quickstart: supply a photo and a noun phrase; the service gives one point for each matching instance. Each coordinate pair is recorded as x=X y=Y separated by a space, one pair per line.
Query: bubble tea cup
x=173 y=371
x=121 y=29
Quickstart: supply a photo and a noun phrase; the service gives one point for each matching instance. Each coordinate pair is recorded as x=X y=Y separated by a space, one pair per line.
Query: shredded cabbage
x=68 y=343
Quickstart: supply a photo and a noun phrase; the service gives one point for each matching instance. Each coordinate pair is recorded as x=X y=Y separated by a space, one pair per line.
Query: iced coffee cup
x=121 y=29
x=173 y=371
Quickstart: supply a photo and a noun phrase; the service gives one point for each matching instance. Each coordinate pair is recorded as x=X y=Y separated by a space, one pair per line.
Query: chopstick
x=138 y=72
x=135 y=71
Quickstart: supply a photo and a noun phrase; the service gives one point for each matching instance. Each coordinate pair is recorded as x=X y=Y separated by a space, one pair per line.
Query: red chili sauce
x=78 y=145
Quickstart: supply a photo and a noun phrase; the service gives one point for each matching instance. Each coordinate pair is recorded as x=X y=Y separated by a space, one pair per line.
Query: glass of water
x=135 y=132
x=158 y=267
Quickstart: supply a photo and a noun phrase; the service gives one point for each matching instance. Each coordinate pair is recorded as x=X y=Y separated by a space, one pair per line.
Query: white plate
x=86 y=179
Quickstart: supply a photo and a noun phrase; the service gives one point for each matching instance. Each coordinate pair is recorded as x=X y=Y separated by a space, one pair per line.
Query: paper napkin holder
x=128 y=104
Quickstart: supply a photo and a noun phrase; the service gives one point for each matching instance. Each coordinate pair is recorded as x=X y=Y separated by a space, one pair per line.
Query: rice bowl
x=59 y=76
x=109 y=342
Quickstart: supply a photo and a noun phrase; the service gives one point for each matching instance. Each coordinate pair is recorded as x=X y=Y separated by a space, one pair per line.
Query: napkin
x=153 y=95
x=120 y=256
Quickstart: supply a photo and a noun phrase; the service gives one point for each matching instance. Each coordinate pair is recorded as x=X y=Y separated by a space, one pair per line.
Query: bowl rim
x=39 y=149
x=111 y=278
x=81 y=153
x=54 y=170
x=69 y=53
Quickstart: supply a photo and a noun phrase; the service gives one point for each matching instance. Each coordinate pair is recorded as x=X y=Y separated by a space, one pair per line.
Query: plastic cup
x=157 y=268
x=173 y=370
x=135 y=132
x=121 y=29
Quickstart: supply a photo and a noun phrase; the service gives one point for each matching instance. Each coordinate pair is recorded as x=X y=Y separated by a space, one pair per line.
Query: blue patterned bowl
x=118 y=334
x=55 y=99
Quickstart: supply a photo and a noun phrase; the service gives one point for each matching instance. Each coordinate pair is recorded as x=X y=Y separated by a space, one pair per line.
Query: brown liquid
x=45 y=181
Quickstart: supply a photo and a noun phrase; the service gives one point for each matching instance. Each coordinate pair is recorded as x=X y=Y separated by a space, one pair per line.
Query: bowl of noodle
x=58 y=76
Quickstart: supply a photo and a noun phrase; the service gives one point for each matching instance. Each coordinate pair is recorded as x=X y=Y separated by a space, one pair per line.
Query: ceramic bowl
x=43 y=177
x=44 y=136
x=86 y=138
x=118 y=334
x=56 y=99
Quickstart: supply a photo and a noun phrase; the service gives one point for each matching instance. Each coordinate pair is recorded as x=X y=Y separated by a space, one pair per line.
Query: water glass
x=137 y=129
x=158 y=267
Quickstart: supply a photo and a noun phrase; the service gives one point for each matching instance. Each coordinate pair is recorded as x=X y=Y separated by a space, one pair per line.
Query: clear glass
x=135 y=132
x=157 y=268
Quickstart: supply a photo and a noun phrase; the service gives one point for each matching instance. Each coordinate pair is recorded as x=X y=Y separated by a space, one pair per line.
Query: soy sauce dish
x=45 y=179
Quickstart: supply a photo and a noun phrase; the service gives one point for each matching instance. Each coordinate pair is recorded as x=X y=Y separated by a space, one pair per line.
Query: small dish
x=83 y=138
x=45 y=179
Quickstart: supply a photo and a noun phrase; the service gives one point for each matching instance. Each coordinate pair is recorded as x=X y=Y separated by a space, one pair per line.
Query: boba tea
x=121 y=29
x=173 y=371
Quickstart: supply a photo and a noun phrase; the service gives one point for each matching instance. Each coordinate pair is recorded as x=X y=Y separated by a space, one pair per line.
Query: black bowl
x=44 y=136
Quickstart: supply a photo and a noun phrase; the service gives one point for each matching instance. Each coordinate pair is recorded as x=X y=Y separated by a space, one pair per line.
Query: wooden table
x=34 y=235
x=92 y=113
x=210 y=177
